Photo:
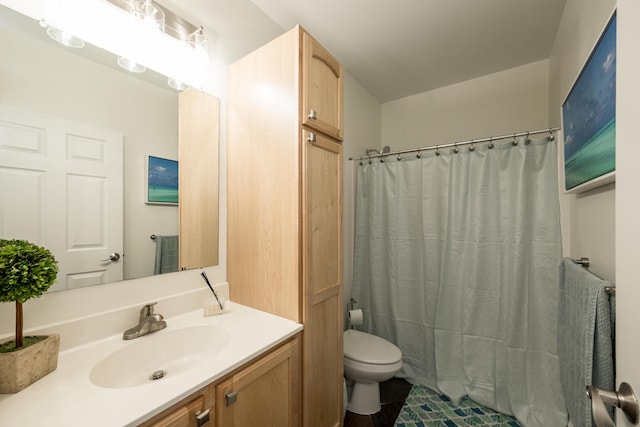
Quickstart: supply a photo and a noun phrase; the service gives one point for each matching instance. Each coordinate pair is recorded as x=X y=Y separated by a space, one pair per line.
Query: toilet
x=368 y=359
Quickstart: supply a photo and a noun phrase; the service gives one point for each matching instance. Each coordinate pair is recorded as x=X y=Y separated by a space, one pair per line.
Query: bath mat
x=426 y=408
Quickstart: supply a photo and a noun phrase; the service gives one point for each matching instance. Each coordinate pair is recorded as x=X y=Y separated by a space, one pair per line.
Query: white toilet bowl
x=368 y=359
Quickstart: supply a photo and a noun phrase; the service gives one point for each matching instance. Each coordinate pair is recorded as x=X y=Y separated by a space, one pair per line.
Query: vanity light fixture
x=138 y=32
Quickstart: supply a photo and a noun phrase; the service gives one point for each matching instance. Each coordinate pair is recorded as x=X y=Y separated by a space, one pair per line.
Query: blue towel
x=585 y=339
x=166 y=254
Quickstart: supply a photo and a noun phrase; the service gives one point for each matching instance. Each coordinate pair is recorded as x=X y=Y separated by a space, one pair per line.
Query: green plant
x=26 y=271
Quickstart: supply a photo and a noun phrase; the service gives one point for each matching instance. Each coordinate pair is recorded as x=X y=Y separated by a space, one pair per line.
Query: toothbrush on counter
x=206 y=279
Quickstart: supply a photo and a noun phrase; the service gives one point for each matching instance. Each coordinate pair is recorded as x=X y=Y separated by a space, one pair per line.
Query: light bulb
x=65 y=38
x=130 y=65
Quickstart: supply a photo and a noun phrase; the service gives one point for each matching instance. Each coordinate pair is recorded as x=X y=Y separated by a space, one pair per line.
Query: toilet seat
x=367 y=348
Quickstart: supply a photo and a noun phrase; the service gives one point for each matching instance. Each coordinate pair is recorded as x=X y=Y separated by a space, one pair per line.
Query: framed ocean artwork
x=162 y=181
x=589 y=118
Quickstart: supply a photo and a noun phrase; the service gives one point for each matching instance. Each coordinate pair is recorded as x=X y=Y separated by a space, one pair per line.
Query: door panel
x=322 y=89
x=322 y=364
x=61 y=187
x=627 y=198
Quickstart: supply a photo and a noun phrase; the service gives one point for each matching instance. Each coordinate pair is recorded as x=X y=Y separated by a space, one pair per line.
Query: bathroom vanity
x=243 y=367
x=265 y=391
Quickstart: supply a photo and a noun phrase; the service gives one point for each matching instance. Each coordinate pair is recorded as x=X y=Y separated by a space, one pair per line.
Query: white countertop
x=66 y=397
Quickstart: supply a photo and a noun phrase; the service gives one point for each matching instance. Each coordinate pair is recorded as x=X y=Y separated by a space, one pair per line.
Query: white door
x=61 y=187
x=628 y=199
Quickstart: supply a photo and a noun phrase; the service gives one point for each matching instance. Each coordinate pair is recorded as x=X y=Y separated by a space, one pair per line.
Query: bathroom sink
x=159 y=355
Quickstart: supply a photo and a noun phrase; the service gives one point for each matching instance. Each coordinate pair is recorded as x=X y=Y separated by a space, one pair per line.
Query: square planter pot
x=23 y=367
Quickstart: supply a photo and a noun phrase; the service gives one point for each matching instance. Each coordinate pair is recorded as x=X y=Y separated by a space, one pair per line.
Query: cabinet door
x=264 y=394
x=322 y=89
x=322 y=259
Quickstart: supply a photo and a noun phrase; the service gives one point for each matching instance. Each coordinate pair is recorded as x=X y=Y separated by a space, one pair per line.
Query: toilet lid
x=369 y=348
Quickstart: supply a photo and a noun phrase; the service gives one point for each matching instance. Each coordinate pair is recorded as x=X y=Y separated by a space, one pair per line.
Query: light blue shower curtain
x=456 y=261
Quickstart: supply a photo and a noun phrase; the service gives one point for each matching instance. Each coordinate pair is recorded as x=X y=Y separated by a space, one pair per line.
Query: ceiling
x=393 y=48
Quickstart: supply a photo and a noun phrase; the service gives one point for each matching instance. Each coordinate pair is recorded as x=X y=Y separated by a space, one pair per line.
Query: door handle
x=313 y=115
x=115 y=256
x=624 y=399
x=231 y=397
x=312 y=138
x=202 y=418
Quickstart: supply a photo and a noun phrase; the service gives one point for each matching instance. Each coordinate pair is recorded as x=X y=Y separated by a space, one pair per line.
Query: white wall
x=588 y=224
x=361 y=130
x=510 y=101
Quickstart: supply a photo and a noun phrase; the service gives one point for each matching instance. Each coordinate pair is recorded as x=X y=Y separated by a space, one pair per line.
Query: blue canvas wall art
x=162 y=180
x=589 y=116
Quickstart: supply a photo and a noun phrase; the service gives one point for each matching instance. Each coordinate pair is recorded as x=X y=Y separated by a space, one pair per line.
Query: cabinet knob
x=313 y=115
x=231 y=397
x=202 y=418
x=312 y=137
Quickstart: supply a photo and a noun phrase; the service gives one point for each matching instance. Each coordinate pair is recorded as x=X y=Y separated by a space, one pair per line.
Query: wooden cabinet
x=284 y=212
x=265 y=392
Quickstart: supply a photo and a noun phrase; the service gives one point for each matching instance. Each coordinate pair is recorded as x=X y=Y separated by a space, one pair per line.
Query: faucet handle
x=147 y=310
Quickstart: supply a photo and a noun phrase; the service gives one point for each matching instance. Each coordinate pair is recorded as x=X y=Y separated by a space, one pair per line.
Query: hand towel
x=585 y=345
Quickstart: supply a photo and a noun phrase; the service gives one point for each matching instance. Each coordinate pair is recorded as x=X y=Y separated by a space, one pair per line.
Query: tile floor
x=393 y=393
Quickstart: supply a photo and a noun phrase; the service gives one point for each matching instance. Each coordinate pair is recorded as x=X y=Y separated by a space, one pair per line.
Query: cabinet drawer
x=190 y=412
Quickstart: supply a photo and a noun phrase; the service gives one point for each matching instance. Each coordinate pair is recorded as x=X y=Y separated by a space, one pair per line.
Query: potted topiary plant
x=26 y=271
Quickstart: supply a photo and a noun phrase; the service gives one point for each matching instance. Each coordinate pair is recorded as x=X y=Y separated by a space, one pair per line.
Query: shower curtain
x=456 y=261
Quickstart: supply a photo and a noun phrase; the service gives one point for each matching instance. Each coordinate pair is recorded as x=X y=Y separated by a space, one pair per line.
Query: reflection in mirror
x=58 y=91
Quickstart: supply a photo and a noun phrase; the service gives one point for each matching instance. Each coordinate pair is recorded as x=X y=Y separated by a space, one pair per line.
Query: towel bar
x=584 y=262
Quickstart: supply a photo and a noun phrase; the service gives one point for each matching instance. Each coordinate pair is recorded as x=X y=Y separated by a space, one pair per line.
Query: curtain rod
x=455 y=144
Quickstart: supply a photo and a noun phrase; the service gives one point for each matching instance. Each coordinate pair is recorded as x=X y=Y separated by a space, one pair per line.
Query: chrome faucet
x=149 y=322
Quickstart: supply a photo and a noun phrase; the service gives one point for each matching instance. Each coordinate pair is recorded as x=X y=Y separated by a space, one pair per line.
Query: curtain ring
x=527 y=141
x=455 y=148
x=381 y=160
x=471 y=147
x=399 y=157
x=437 y=150
x=491 y=145
x=515 y=141
x=419 y=154
x=551 y=137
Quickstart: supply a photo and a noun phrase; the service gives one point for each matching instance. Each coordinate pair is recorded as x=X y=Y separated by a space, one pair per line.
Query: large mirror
x=85 y=87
